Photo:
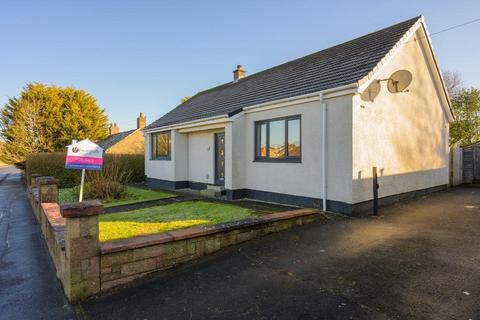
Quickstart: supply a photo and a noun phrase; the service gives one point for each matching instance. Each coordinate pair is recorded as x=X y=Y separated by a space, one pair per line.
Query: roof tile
x=340 y=65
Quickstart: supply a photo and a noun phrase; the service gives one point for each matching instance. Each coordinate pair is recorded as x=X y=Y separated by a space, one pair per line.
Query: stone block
x=106 y=270
x=117 y=258
x=139 y=266
x=151 y=251
x=106 y=285
x=84 y=269
x=81 y=248
x=82 y=209
x=33 y=178
x=72 y=228
x=81 y=290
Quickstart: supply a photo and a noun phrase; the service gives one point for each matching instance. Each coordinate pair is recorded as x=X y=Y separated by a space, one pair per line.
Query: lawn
x=168 y=217
x=135 y=195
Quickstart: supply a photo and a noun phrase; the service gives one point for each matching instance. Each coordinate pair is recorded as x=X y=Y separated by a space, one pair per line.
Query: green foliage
x=110 y=183
x=45 y=118
x=53 y=164
x=465 y=129
x=134 y=195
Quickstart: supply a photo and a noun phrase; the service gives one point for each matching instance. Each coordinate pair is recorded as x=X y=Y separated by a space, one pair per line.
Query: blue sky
x=145 y=55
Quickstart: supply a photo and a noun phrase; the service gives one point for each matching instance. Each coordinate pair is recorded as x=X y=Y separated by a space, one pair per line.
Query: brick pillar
x=47 y=189
x=81 y=276
x=33 y=178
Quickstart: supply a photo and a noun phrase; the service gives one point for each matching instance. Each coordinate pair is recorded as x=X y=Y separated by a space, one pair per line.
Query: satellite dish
x=399 y=81
x=371 y=92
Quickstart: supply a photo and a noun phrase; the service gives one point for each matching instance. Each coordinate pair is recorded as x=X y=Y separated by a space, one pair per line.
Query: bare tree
x=453 y=81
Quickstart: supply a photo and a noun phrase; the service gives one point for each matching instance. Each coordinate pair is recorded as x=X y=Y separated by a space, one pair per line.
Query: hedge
x=53 y=164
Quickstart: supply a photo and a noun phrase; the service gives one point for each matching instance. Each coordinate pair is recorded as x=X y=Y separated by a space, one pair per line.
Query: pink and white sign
x=84 y=155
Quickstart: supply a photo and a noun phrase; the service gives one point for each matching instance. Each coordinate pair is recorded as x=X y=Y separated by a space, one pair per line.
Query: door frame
x=216 y=180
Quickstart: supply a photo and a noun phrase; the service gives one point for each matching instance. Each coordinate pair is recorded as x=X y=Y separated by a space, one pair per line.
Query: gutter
x=188 y=124
x=315 y=96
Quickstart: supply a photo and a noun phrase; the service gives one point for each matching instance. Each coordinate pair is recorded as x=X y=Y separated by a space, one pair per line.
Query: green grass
x=168 y=217
x=135 y=195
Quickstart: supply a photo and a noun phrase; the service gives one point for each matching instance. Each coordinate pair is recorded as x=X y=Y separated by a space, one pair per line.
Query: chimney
x=113 y=128
x=141 y=121
x=238 y=73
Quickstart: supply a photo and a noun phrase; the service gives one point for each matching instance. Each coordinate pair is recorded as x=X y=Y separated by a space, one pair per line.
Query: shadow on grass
x=169 y=217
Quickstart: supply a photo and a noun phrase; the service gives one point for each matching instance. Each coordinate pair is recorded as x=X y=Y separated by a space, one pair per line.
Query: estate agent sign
x=84 y=155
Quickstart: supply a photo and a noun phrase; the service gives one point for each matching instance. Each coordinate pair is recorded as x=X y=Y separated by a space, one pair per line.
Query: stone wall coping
x=81 y=209
x=176 y=235
x=46 y=180
x=52 y=212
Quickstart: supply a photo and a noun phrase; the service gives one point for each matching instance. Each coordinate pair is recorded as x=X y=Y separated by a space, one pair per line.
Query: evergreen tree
x=45 y=118
x=465 y=129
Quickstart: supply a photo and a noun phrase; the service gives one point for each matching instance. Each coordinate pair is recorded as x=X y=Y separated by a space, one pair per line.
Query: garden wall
x=87 y=267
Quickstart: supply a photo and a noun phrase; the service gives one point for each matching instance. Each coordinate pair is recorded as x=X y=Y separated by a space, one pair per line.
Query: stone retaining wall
x=125 y=260
x=87 y=267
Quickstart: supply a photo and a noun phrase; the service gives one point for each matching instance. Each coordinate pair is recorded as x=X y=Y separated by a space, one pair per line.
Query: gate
x=471 y=164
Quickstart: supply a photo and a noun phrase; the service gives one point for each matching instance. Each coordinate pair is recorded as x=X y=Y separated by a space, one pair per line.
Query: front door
x=220 y=158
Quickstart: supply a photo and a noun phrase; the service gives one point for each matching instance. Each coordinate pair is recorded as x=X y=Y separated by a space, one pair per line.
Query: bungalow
x=125 y=142
x=310 y=131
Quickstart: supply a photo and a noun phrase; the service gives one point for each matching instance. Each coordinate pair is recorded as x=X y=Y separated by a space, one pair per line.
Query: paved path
x=419 y=260
x=28 y=286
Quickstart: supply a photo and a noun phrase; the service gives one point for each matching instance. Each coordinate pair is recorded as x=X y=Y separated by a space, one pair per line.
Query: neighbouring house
x=309 y=132
x=126 y=142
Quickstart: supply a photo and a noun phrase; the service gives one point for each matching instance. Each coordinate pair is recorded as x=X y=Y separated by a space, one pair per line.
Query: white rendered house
x=309 y=132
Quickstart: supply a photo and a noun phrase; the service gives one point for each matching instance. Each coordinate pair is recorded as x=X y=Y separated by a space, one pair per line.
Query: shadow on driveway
x=418 y=260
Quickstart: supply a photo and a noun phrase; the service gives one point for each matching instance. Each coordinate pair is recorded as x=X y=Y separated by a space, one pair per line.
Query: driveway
x=418 y=260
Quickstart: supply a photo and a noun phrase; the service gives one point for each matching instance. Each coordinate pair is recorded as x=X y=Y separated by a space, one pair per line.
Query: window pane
x=262 y=140
x=294 y=138
x=161 y=145
x=277 y=139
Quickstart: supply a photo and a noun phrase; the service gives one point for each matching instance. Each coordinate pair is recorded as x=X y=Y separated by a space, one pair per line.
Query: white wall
x=180 y=155
x=235 y=156
x=305 y=178
x=339 y=148
x=405 y=135
x=157 y=169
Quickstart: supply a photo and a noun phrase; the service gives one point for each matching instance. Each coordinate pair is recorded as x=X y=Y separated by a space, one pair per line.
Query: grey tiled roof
x=340 y=65
x=114 y=139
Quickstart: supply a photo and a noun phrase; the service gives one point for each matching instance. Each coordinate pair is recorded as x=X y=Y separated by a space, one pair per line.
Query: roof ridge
x=306 y=56
x=341 y=64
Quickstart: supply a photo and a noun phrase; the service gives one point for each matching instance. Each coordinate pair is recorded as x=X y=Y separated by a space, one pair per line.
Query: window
x=278 y=140
x=161 y=146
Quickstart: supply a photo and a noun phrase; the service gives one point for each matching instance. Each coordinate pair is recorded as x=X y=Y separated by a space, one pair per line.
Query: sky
x=144 y=56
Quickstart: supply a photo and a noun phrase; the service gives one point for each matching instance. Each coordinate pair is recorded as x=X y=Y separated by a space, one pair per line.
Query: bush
x=110 y=183
x=53 y=164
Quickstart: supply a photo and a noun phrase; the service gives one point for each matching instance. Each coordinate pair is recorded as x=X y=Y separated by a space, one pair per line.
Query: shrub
x=53 y=164
x=110 y=183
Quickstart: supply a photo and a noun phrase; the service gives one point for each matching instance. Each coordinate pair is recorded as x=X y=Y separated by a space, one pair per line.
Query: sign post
x=84 y=155
x=82 y=181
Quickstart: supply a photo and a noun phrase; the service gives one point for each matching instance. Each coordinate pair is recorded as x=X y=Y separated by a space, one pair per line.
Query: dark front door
x=220 y=158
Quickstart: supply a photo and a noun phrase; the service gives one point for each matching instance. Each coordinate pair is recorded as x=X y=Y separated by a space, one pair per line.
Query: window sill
x=292 y=160
x=161 y=159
